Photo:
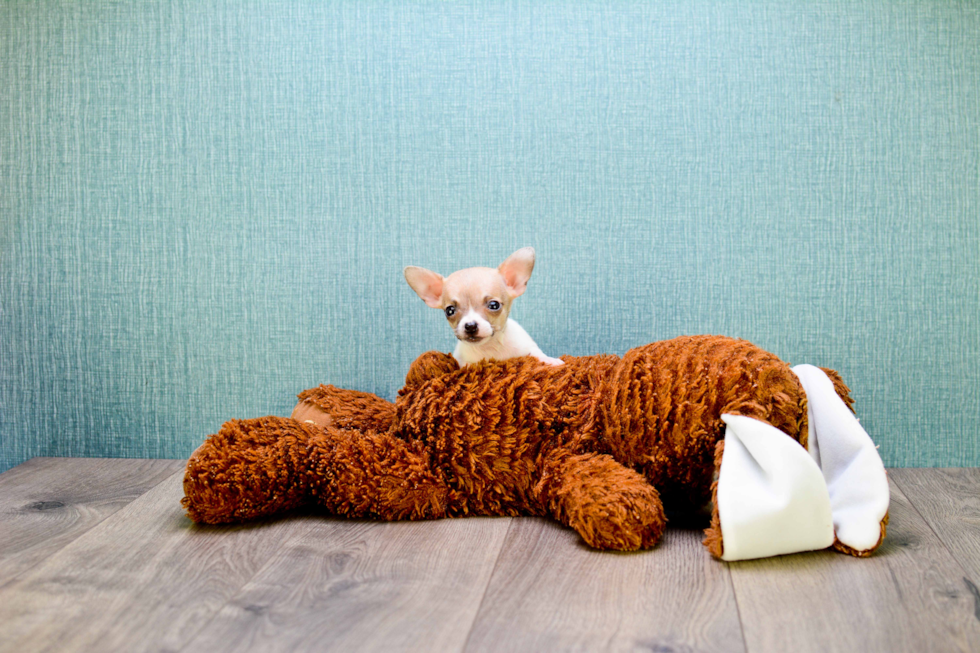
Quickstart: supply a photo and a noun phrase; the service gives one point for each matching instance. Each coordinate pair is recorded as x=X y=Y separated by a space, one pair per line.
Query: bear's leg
x=249 y=469
x=327 y=405
x=369 y=474
x=259 y=467
x=609 y=505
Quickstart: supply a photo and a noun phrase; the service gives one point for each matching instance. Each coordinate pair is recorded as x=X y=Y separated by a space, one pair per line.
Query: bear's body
x=596 y=443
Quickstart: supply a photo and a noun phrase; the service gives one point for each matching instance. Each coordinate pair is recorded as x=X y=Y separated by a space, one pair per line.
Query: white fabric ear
x=771 y=497
x=849 y=461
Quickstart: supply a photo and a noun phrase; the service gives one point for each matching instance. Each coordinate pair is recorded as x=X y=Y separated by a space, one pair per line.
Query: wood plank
x=364 y=586
x=949 y=501
x=551 y=592
x=909 y=596
x=45 y=503
x=145 y=578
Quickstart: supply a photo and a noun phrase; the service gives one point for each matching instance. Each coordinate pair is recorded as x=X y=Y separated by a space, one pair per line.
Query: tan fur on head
x=482 y=296
x=475 y=292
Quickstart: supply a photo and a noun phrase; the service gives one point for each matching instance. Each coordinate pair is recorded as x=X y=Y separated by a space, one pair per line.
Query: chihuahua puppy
x=477 y=302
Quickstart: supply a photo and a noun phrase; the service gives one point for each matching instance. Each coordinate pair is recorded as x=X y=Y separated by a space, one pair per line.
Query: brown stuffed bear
x=601 y=443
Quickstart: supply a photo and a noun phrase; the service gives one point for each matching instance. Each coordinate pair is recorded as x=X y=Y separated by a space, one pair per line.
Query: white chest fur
x=510 y=342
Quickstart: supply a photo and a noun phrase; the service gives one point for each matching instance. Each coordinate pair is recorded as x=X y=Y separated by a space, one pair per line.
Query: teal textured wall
x=206 y=206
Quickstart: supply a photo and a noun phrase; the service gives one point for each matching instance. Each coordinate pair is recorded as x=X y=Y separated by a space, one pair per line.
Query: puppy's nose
x=471 y=328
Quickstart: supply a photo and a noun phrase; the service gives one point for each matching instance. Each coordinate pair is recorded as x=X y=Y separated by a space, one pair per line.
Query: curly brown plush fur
x=599 y=443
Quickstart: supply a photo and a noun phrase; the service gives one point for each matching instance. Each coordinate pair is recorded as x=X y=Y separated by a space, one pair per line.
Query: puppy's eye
x=493 y=305
x=450 y=311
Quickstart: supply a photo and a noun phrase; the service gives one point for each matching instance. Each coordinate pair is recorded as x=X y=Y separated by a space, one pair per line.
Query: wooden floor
x=96 y=555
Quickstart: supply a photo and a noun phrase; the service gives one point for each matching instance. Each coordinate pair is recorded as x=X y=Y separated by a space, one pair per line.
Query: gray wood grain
x=909 y=596
x=97 y=555
x=552 y=593
x=145 y=578
x=949 y=501
x=45 y=503
x=361 y=586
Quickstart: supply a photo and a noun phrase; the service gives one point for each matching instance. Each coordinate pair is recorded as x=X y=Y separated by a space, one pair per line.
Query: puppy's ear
x=516 y=270
x=426 y=283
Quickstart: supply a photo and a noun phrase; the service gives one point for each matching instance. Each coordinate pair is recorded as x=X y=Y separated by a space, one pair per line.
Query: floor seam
x=10 y=581
x=932 y=529
x=493 y=572
x=738 y=609
x=311 y=525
